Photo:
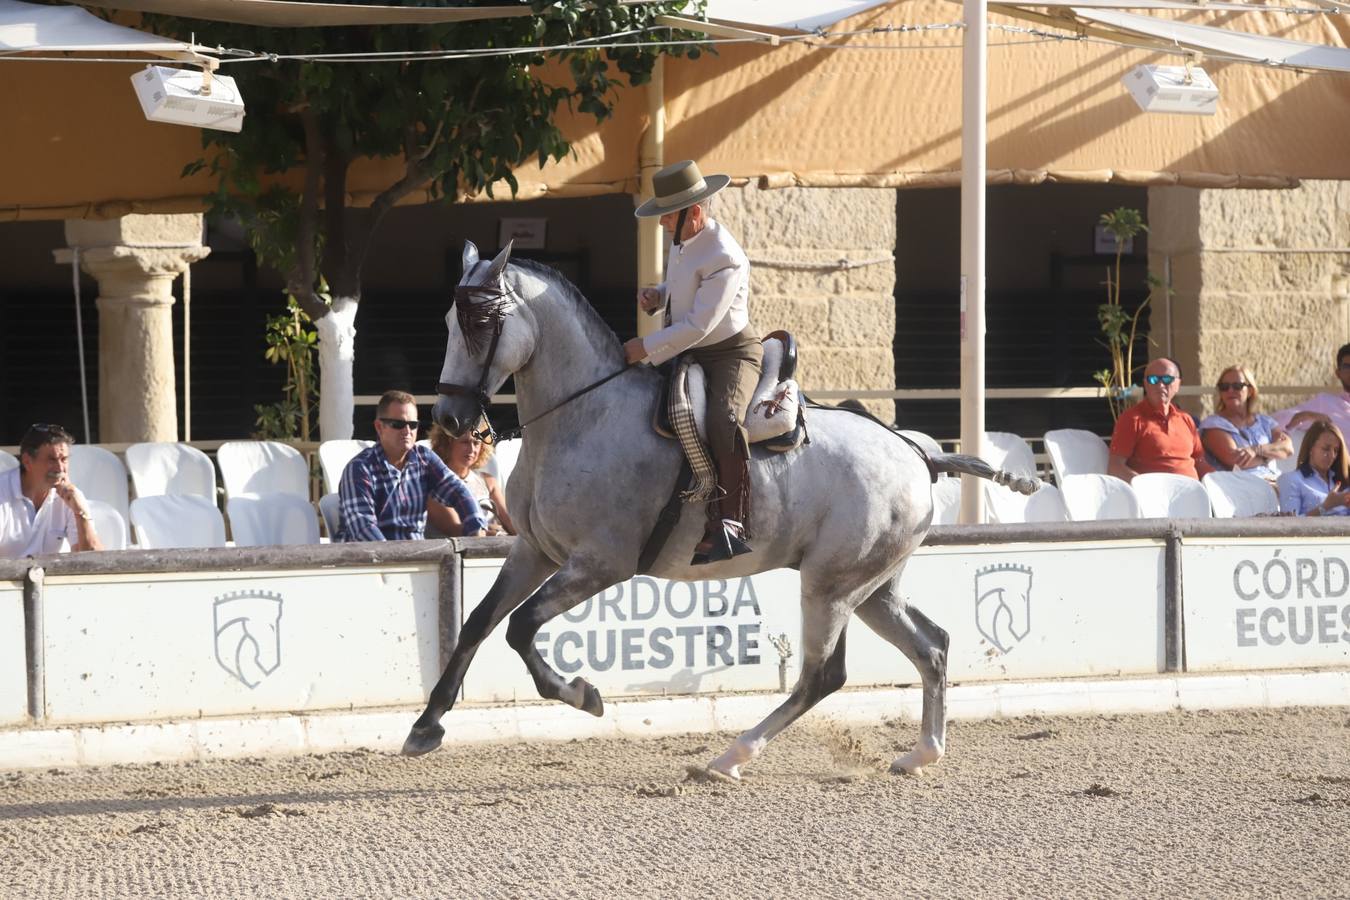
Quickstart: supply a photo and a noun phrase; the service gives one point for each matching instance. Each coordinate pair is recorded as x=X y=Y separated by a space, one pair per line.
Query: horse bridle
x=481 y=397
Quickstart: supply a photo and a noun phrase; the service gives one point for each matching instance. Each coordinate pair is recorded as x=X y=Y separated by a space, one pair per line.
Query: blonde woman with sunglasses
x=466 y=456
x=1239 y=437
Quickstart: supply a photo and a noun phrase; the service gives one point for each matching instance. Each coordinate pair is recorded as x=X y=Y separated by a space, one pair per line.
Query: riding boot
x=724 y=536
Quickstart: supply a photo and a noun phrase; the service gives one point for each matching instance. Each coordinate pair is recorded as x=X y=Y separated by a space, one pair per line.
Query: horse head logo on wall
x=248 y=635
x=1003 y=604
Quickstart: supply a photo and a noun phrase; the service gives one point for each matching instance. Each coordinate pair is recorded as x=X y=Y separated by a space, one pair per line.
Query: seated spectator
x=384 y=488
x=1154 y=435
x=1238 y=437
x=466 y=455
x=1317 y=487
x=1325 y=407
x=40 y=510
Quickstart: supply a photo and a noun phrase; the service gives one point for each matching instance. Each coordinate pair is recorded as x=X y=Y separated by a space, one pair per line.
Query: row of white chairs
x=1095 y=496
x=266 y=487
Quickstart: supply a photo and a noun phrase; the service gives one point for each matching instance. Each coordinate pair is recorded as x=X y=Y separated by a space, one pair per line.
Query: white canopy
x=798 y=15
x=30 y=27
x=1224 y=42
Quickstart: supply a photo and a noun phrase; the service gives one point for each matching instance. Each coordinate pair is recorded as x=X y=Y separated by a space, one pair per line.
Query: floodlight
x=1173 y=89
x=189 y=97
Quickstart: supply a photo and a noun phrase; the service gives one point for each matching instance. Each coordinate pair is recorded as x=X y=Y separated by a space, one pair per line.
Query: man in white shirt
x=706 y=298
x=41 y=512
x=1326 y=407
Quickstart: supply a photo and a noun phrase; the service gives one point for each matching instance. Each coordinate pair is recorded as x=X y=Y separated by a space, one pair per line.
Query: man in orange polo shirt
x=1155 y=436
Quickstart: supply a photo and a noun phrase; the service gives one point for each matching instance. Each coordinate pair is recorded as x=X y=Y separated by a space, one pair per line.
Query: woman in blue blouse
x=1318 y=486
x=1238 y=437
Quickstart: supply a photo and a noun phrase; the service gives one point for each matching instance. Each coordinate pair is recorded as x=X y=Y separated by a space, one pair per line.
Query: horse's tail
x=961 y=464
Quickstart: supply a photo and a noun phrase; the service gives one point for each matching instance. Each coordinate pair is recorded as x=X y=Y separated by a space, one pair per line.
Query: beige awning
x=877 y=109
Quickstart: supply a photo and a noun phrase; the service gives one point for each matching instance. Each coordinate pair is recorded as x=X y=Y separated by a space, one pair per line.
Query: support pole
x=974 y=56
x=651 y=269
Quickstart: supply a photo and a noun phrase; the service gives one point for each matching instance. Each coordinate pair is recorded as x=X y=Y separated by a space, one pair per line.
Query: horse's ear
x=499 y=264
x=470 y=255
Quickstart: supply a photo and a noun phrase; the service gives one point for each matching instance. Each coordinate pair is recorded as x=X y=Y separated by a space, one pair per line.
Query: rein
x=480 y=392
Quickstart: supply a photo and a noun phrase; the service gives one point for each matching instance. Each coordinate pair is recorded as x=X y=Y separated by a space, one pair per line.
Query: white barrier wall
x=648 y=636
x=139 y=646
x=1266 y=603
x=1029 y=611
x=13 y=659
x=1013 y=611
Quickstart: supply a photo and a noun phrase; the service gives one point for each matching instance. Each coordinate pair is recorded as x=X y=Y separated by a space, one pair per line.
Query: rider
x=706 y=298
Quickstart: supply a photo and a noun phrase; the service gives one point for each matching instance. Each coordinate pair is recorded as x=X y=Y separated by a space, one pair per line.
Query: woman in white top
x=1318 y=486
x=466 y=455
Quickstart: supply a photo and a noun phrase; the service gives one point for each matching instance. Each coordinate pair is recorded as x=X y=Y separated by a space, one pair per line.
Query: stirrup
x=725 y=542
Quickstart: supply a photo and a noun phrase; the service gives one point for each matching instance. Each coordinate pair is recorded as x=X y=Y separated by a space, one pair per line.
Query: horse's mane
x=594 y=326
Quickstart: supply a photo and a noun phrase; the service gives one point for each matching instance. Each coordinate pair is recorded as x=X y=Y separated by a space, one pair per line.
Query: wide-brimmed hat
x=678 y=186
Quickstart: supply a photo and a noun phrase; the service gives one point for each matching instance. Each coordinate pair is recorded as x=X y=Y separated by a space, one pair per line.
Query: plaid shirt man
x=382 y=503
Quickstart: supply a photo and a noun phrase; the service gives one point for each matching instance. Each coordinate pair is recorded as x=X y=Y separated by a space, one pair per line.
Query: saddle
x=775 y=420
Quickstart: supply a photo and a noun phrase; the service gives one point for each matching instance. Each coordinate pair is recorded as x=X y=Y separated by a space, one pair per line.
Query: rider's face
x=693 y=223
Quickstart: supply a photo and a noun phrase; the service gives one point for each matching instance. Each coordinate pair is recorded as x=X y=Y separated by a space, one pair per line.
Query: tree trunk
x=337 y=350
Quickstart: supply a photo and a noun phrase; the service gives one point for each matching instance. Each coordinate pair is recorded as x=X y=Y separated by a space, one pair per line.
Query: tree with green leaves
x=459 y=126
x=1119 y=326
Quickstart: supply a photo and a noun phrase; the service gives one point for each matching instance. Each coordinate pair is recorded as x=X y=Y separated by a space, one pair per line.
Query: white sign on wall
x=137 y=647
x=13 y=658
x=1266 y=603
x=1028 y=611
x=649 y=636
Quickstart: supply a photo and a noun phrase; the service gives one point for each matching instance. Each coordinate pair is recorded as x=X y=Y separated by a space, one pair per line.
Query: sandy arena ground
x=1180 y=805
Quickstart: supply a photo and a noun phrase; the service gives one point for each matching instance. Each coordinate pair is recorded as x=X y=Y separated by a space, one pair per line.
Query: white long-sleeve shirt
x=708 y=288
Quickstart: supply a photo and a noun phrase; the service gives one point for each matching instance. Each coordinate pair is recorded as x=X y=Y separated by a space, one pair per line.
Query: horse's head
x=489 y=340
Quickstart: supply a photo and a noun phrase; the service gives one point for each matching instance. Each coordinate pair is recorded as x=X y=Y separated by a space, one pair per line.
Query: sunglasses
x=1233 y=385
x=1160 y=379
x=399 y=424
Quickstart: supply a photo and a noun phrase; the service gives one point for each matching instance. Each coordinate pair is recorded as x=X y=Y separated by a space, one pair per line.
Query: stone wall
x=843 y=318
x=1258 y=277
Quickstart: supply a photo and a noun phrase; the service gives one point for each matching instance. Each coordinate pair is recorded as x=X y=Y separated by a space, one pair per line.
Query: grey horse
x=592 y=477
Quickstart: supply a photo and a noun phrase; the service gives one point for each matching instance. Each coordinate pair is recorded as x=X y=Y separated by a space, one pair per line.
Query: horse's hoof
x=903 y=768
x=422 y=740
x=728 y=774
x=591 y=701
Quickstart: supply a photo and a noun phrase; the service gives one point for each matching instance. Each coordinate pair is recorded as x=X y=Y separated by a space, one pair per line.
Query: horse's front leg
x=577 y=580
x=524 y=570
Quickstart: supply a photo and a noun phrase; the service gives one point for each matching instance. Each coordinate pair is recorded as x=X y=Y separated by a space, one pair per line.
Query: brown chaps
x=732 y=369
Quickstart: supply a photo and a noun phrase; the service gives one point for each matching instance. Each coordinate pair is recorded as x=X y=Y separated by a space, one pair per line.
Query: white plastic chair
x=164 y=521
x=333 y=459
x=1003 y=505
x=1091 y=497
x=166 y=468
x=946 y=501
x=1009 y=452
x=1240 y=494
x=1074 y=451
x=1288 y=464
x=505 y=454
x=1163 y=495
x=8 y=461
x=262 y=467
x=930 y=446
x=100 y=475
x=109 y=525
x=265 y=520
x=330 y=507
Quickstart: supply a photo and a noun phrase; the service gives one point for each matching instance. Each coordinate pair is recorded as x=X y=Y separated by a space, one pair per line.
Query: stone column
x=822 y=266
x=1258 y=277
x=135 y=260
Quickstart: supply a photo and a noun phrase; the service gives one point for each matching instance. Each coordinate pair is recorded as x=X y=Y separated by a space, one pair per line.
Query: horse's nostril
x=451 y=424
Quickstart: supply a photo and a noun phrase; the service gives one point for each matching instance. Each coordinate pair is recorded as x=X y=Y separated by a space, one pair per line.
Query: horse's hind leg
x=525 y=568
x=574 y=582
x=822 y=674
x=925 y=644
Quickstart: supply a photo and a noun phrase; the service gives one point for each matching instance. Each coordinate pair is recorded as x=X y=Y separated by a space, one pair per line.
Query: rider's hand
x=634 y=351
x=650 y=300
